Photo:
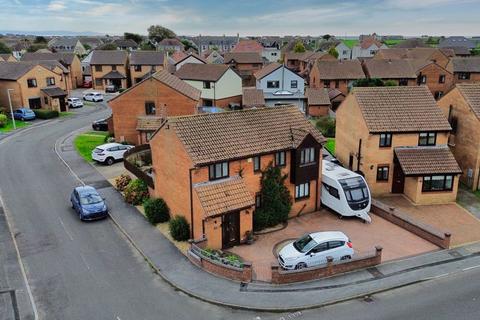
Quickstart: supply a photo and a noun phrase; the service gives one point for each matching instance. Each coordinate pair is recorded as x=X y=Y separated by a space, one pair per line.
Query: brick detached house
x=179 y=58
x=465 y=69
x=7 y=57
x=400 y=72
x=35 y=85
x=207 y=167
x=462 y=107
x=338 y=74
x=397 y=138
x=139 y=111
x=68 y=60
x=219 y=84
x=145 y=63
x=438 y=79
x=302 y=62
x=246 y=64
x=109 y=67
x=318 y=102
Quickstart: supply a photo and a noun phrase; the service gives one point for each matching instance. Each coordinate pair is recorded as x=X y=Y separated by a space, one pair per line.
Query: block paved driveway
x=396 y=242
x=464 y=227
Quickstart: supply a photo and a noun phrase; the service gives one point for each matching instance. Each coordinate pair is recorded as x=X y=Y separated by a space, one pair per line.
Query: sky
x=246 y=17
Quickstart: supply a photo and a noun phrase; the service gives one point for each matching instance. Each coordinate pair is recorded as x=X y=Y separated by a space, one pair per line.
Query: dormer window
x=427 y=138
x=307 y=156
x=218 y=170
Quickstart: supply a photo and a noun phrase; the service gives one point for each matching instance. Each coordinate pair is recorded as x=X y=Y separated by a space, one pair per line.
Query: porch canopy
x=54 y=92
x=223 y=196
x=114 y=74
x=418 y=161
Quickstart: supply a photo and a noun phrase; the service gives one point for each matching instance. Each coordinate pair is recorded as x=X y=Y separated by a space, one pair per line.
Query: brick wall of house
x=474 y=77
x=413 y=190
x=465 y=144
x=317 y=111
x=75 y=75
x=144 y=70
x=433 y=73
x=223 y=103
x=131 y=104
x=439 y=58
x=106 y=69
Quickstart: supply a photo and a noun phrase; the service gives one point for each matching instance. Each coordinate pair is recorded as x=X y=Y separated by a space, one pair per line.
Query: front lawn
x=65 y=113
x=9 y=126
x=330 y=145
x=391 y=43
x=350 y=42
x=86 y=142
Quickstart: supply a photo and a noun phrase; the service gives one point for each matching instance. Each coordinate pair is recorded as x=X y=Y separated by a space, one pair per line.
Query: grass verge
x=330 y=145
x=9 y=126
x=85 y=143
x=65 y=113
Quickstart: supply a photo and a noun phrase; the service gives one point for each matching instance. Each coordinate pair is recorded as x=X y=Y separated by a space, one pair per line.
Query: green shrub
x=3 y=110
x=107 y=138
x=326 y=125
x=156 y=211
x=136 y=192
x=122 y=182
x=179 y=228
x=3 y=120
x=46 y=114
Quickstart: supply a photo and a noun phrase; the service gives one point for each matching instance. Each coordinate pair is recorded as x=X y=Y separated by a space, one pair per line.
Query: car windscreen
x=305 y=244
x=90 y=198
x=355 y=189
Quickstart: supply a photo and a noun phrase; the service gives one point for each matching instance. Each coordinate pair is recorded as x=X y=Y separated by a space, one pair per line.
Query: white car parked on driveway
x=93 y=96
x=110 y=152
x=314 y=248
x=74 y=103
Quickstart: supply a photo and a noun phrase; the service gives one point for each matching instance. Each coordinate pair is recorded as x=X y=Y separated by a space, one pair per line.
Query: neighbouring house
x=178 y=59
x=465 y=69
x=125 y=44
x=338 y=74
x=248 y=46
x=109 y=67
x=397 y=138
x=344 y=51
x=19 y=48
x=462 y=107
x=246 y=64
x=67 y=44
x=213 y=56
x=86 y=68
x=68 y=59
x=440 y=56
x=301 y=62
x=220 y=85
x=438 y=79
x=92 y=42
x=252 y=98
x=318 y=102
x=336 y=97
x=139 y=111
x=412 y=43
x=170 y=45
x=457 y=41
x=272 y=53
x=7 y=57
x=367 y=48
x=280 y=86
x=216 y=185
x=219 y=43
x=144 y=63
x=34 y=85
x=461 y=51
x=401 y=72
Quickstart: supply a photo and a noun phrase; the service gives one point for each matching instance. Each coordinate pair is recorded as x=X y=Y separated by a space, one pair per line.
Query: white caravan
x=345 y=191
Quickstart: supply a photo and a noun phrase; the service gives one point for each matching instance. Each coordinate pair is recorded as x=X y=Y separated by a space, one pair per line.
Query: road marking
x=65 y=228
x=20 y=261
x=470 y=268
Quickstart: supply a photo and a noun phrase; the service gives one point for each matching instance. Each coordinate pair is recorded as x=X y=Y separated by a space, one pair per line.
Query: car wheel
x=73 y=207
x=346 y=258
x=22 y=118
x=109 y=161
x=301 y=265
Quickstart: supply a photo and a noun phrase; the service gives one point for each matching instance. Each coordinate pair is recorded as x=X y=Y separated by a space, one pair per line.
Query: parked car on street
x=24 y=114
x=100 y=125
x=74 y=103
x=111 y=88
x=314 y=248
x=93 y=96
x=88 y=204
x=110 y=152
x=87 y=84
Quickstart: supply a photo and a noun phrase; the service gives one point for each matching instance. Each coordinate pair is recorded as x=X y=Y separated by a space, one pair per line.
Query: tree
x=87 y=47
x=4 y=48
x=40 y=39
x=133 y=36
x=109 y=46
x=368 y=82
x=276 y=201
x=187 y=44
x=299 y=47
x=147 y=46
x=158 y=33
x=326 y=37
x=333 y=52
x=37 y=46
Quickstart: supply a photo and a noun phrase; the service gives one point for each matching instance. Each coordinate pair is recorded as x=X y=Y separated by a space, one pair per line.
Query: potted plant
x=249 y=237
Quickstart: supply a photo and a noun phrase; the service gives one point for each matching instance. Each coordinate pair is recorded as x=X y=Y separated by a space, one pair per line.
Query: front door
x=63 y=106
x=230 y=229
x=398 y=178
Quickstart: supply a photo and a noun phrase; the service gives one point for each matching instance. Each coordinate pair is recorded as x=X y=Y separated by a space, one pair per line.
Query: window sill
x=307 y=164
x=302 y=199
x=382 y=181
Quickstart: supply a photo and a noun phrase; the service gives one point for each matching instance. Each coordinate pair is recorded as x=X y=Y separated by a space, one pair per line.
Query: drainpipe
x=359 y=155
x=191 y=202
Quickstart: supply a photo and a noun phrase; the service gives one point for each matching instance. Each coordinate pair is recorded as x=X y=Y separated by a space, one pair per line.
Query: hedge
x=46 y=114
x=156 y=211
x=3 y=120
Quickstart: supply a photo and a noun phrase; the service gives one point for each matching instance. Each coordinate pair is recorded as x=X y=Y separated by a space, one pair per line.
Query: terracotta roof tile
x=252 y=97
x=427 y=160
x=222 y=196
x=390 y=69
x=471 y=92
x=243 y=57
x=368 y=42
x=317 y=96
x=266 y=70
x=178 y=84
x=214 y=137
x=148 y=123
x=411 y=53
x=201 y=72
x=400 y=109
x=178 y=56
x=340 y=69
x=248 y=46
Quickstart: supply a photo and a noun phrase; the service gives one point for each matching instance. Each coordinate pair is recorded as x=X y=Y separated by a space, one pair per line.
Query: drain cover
x=368 y=299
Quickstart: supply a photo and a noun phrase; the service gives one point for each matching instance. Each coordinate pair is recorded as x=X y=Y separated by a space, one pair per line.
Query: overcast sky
x=247 y=17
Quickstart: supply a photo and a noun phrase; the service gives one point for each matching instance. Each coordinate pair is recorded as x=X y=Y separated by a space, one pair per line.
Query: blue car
x=23 y=114
x=88 y=204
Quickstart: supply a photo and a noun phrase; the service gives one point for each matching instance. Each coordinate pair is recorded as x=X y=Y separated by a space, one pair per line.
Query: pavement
x=464 y=226
x=468 y=200
x=396 y=242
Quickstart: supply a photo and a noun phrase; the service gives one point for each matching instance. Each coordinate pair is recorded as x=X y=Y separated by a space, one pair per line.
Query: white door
x=317 y=255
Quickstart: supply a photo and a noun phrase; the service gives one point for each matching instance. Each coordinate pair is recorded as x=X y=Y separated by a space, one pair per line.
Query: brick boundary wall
x=217 y=268
x=281 y=276
x=403 y=220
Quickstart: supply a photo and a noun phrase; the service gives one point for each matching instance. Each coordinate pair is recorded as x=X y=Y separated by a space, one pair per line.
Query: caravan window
x=355 y=189
x=331 y=190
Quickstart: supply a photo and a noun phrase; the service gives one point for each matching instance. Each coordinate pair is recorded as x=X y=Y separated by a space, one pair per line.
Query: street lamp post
x=11 y=108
